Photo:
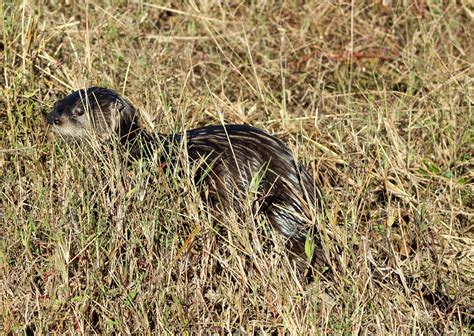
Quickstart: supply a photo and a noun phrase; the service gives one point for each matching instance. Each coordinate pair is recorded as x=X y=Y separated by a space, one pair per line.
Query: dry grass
x=374 y=97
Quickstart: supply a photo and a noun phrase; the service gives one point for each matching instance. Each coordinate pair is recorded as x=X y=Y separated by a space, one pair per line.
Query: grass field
x=374 y=97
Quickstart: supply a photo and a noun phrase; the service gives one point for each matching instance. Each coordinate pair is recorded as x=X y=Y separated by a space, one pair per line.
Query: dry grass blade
x=374 y=97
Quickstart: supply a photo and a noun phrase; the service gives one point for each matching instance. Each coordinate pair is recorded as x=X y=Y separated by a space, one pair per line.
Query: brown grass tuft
x=374 y=96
